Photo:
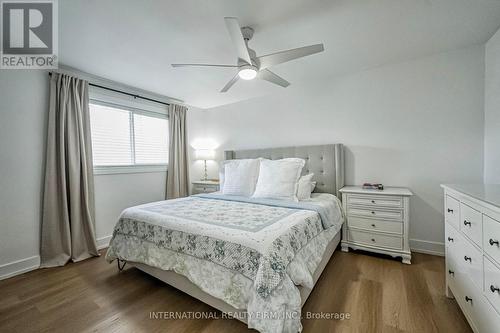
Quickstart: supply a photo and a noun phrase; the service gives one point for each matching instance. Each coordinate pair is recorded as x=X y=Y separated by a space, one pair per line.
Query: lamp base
x=205 y=176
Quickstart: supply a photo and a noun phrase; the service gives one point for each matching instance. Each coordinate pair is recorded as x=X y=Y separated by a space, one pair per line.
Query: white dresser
x=472 y=227
x=377 y=221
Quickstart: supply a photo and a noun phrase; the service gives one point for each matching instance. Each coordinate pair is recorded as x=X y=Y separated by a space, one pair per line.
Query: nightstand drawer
x=378 y=240
x=205 y=188
x=396 y=215
x=377 y=201
x=375 y=225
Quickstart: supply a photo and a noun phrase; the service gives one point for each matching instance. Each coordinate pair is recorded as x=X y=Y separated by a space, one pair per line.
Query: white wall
x=492 y=112
x=23 y=114
x=415 y=124
x=114 y=193
x=23 y=105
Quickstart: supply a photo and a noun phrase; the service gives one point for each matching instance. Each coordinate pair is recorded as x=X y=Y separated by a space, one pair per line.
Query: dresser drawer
x=452 y=270
x=453 y=240
x=375 y=200
x=491 y=237
x=378 y=240
x=472 y=260
x=376 y=213
x=468 y=297
x=471 y=223
x=480 y=311
x=375 y=225
x=452 y=211
x=492 y=283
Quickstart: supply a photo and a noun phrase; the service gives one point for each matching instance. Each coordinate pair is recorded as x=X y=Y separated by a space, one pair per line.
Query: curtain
x=178 y=173
x=68 y=198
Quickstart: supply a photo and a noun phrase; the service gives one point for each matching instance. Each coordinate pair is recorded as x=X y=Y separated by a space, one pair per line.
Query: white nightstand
x=377 y=220
x=205 y=186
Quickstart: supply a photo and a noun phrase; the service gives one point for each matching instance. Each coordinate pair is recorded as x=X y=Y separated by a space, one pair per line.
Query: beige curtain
x=68 y=201
x=178 y=168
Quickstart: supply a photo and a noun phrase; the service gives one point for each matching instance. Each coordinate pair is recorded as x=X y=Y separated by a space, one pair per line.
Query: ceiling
x=134 y=42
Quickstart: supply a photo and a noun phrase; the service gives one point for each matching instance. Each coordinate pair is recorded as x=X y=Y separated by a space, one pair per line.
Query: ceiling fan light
x=247 y=73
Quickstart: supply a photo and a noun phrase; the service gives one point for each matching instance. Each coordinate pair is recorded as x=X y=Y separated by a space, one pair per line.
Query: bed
x=256 y=260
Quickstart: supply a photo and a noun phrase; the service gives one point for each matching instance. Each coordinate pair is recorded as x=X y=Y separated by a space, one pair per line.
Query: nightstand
x=377 y=220
x=205 y=186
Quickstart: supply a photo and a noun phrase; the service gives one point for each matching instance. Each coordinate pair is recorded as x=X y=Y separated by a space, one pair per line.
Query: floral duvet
x=261 y=248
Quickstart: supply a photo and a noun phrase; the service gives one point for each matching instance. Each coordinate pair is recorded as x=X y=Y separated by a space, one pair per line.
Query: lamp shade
x=205 y=154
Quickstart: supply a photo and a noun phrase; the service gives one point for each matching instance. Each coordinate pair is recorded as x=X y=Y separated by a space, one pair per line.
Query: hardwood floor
x=380 y=294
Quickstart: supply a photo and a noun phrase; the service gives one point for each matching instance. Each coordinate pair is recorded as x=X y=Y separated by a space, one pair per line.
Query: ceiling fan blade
x=267 y=75
x=284 y=56
x=234 y=29
x=202 y=65
x=230 y=83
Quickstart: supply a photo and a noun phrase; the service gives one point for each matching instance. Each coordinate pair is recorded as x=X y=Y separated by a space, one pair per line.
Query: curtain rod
x=125 y=93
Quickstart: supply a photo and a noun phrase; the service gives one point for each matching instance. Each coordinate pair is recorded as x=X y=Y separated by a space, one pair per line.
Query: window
x=127 y=139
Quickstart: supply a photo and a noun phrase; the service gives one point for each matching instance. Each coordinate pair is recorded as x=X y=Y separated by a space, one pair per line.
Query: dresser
x=205 y=186
x=472 y=236
x=377 y=220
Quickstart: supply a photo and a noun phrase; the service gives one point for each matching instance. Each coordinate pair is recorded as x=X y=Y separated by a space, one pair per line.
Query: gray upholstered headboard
x=325 y=161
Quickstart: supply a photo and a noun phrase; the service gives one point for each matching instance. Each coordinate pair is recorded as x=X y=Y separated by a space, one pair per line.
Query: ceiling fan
x=249 y=65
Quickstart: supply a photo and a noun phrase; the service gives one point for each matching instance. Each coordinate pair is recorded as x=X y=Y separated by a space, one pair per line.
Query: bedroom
x=400 y=93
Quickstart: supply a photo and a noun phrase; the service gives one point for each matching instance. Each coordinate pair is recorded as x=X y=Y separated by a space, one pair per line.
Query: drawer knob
x=468 y=299
x=450 y=210
x=467 y=258
x=373 y=225
x=493 y=242
x=450 y=239
x=494 y=289
x=373 y=239
x=451 y=272
x=467 y=223
x=373 y=212
x=373 y=201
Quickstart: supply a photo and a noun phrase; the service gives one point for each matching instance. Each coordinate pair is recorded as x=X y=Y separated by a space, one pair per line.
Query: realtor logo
x=29 y=38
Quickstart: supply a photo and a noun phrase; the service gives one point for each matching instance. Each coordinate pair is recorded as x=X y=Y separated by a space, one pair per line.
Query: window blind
x=126 y=137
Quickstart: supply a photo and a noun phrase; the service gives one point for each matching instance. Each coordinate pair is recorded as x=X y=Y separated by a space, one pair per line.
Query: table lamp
x=205 y=155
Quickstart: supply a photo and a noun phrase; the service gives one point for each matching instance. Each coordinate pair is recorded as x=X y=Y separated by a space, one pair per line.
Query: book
x=369 y=186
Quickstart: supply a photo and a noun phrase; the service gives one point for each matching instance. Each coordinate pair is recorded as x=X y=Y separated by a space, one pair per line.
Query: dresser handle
x=450 y=239
x=468 y=299
x=451 y=272
x=467 y=223
x=467 y=258
x=450 y=210
x=494 y=289
x=492 y=242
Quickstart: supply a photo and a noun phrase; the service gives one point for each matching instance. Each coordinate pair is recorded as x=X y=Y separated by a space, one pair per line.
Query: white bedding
x=236 y=288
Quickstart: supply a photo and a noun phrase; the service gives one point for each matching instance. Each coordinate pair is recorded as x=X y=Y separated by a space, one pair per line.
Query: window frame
x=133 y=109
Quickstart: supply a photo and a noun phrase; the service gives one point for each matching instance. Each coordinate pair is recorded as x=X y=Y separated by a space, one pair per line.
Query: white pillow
x=222 y=165
x=240 y=177
x=306 y=186
x=279 y=179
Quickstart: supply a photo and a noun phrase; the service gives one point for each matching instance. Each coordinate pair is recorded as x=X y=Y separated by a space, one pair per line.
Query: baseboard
x=19 y=267
x=427 y=247
x=103 y=242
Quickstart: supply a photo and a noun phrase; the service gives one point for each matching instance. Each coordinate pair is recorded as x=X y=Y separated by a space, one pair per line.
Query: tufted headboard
x=325 y=161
